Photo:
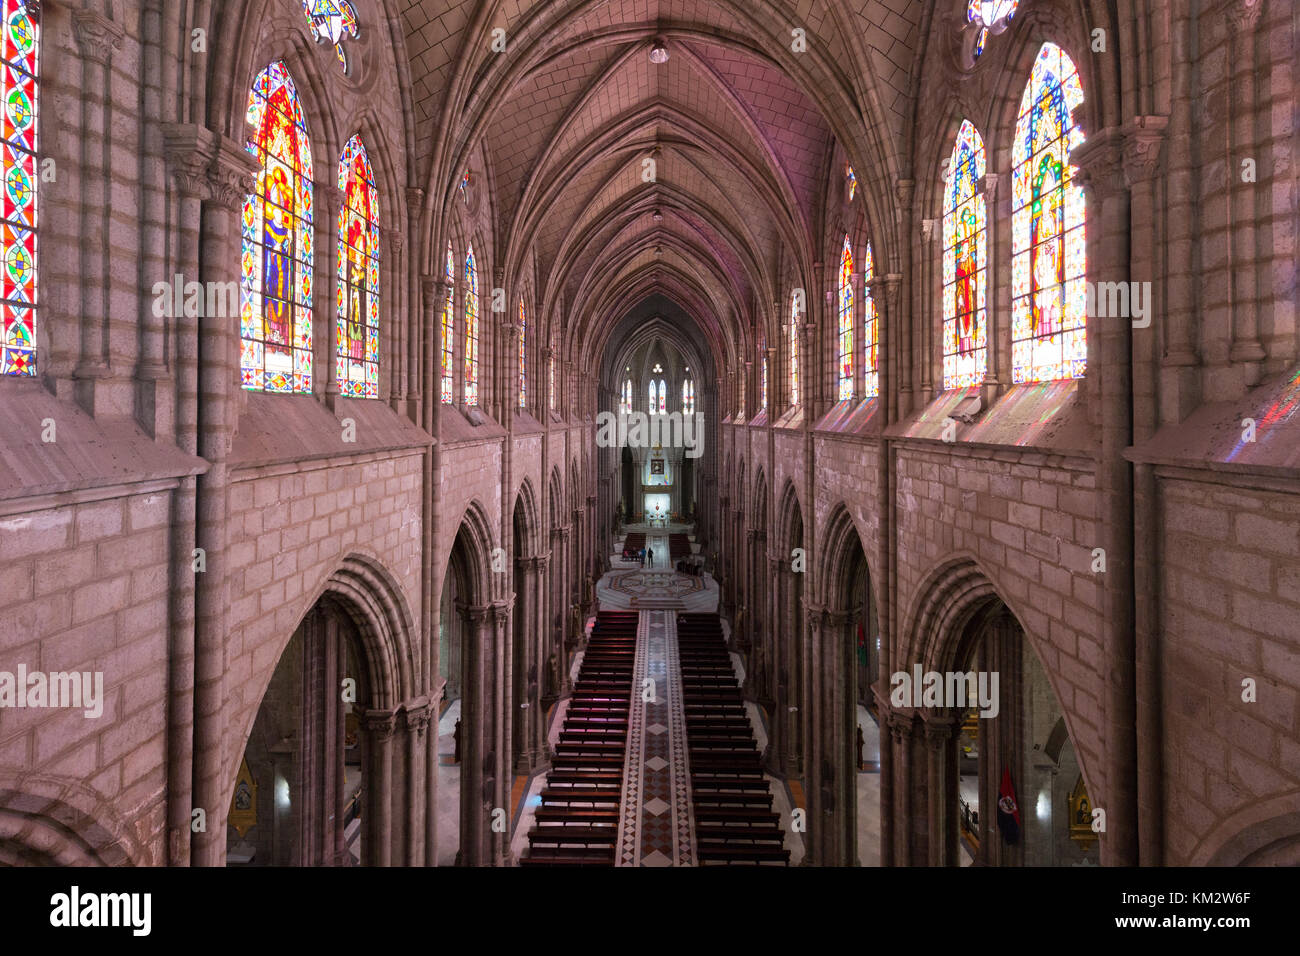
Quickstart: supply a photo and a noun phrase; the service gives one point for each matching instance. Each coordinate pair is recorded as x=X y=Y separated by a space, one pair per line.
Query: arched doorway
x=474 y=730
x=300 y=794
x=846 y=738
x=785 y=750
x=997 y=773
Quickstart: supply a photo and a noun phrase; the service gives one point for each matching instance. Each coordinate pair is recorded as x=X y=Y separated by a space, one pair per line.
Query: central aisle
x=656 y=826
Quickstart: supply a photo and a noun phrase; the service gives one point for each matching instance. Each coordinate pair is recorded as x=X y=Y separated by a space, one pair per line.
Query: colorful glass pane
x=663 y=397
x=1048 y=256
x=845 y=322
x=965 y=255
x=551 y=380
x=471 y=329
x=276 y=321
x=523 y=355
x=358 y=289
x=989 y=13
x=449 y=327
x=852 y=182
x=21 y=34
x=331 y=21
x=654 y=396
x=762 y=395
x=870 y=330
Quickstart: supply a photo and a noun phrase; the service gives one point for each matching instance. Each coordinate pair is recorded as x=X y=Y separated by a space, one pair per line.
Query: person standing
x=650 y=556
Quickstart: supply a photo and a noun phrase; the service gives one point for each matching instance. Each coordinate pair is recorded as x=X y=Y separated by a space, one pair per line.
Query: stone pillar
x=502 y=709
x=939 y=729
x=431 y=779
x=997 y=369
x=377 y=845
x=526 y=708
x=538 y=743
x=775 y=757
x=477 y=758
x=229 y=181
x=416 y=722
x=327 y=200
x=1099 y=160
x=1243 y=222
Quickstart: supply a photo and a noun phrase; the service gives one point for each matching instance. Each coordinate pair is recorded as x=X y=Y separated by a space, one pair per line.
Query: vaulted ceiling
x=740 y=124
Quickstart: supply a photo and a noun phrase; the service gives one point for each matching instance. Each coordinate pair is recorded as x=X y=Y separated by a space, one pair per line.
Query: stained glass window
x=464 y=187
x=20 y=52
x=870 y=330
x=332 y=20
x=1048 y=256
x=688 y=397
x=845 y=322
x=990 y=14
x=762 y=385
x=449 y=328
x=275 y=327
x=654 y=396
x=523 y=355
x=794 y=348
x=965 y=258
x=663 y=397
x=471 y=329
x=626 y=405
x=551 y=386
x=358 y=289
x=851 y=182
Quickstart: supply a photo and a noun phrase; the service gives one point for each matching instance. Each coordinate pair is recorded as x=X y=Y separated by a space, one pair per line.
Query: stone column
x=1243 y=222
x=775 y=757
x=538 y=743
x=501 y=700
x=431 y=778
x=477 y=757
x=939 y=729
x=230 y=179
x=1099 y=160
x=327 y=199
x=526 y=708
x=416 y=722
x=377 y=846
x=997 y=369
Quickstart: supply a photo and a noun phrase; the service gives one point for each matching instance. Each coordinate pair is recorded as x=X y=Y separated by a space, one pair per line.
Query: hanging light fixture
x=659 y=52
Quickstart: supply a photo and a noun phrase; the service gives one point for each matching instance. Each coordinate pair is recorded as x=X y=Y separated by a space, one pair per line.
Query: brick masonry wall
x=86 y=589
x=288 y=533
x=1230 y=582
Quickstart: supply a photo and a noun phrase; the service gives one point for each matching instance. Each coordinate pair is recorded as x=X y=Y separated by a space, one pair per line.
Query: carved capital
x=1100 y=160
x=988 y=185
x=232 y=175
x=416 y=718
x=189 y=149
x=1242 y=15
x=906 y=189
x=1144 y=139
x=893 y=283
x=381 y=724
x=97 y=36
x=928 y=229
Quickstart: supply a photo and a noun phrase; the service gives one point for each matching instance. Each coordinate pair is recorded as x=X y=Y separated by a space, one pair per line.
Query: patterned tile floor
x=657 y=826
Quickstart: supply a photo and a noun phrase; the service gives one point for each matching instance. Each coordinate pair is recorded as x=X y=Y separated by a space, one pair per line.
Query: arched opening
x=853 y=638
x=1009 y=789
x=528 y=747
x=453 y=637
x=300 y=792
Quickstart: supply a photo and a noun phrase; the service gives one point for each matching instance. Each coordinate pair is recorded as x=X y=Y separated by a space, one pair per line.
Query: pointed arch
x=965 y=259
x=1048 y=250
x=276 y=320
x=358 y=277
x=526 y=504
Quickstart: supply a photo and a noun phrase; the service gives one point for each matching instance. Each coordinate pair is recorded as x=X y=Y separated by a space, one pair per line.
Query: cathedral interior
x=589 y=433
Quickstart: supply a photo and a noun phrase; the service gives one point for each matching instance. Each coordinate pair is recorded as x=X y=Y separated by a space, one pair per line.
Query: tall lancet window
x=1048 y=257
x=625 y=405
x=688 y=397
x=449 y=327
x=870 y=329
x=18 y=295
x=276 y=287
x=358 y=290
x=845 y=321
x=965 y=260
x=471 y=329
x=654 y=396
x=550 y=383
x=523 y=355
x=762 y=385
x=794 y=348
